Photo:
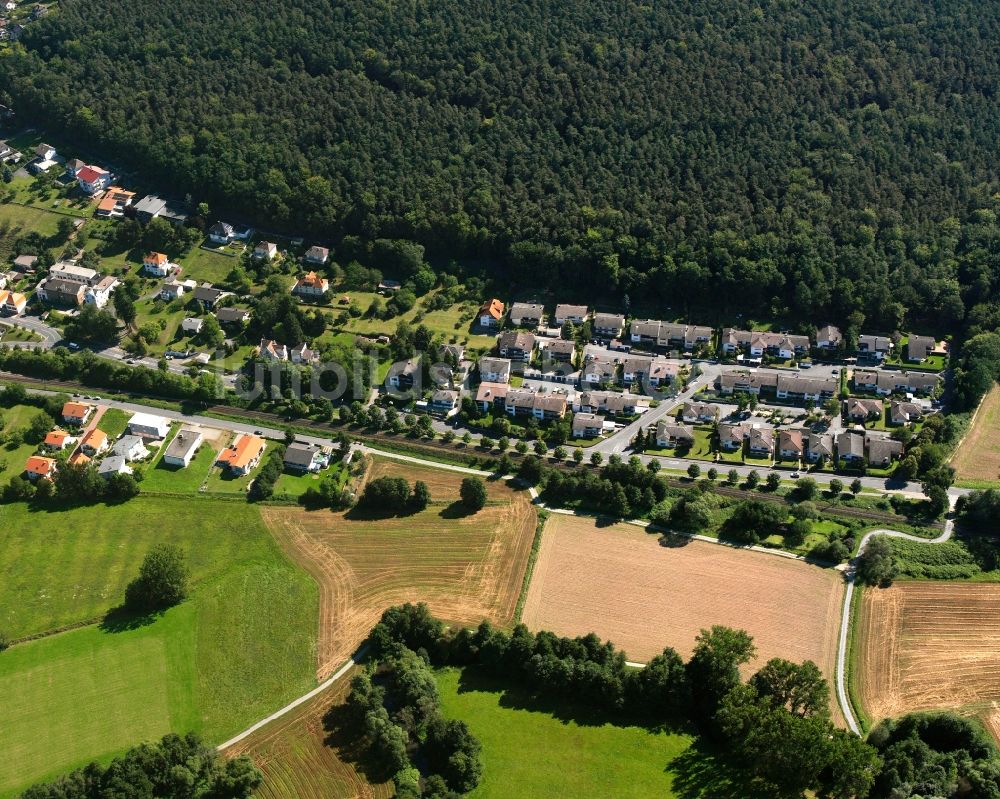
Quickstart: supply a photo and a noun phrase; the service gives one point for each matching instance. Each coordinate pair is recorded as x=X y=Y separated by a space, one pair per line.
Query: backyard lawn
x=205 y=265
x=172 y=479
x=113 y=422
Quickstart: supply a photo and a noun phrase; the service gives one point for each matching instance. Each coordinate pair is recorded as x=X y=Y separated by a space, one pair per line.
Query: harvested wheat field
x=466 y=567
x=978 y=457
x=306 y=754
x=929 y=645
x=622 y=584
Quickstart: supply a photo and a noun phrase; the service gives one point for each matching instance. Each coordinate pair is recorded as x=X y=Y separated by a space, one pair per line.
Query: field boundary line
x=968 y=430
x=529 y=569
x=353 y=661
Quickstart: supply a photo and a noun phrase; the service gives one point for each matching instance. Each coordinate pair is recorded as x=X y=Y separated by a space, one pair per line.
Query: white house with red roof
x=93 y=179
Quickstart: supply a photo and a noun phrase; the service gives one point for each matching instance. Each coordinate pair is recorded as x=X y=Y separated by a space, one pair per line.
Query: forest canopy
x=773 y=158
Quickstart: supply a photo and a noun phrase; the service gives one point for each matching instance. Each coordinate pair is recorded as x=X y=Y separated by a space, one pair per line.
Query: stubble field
x=622 y=584
x=466 y=567
x=977 y=460
x=930 y=645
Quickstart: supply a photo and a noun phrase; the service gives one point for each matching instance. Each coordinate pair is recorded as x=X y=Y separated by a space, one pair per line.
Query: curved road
x=845 y=617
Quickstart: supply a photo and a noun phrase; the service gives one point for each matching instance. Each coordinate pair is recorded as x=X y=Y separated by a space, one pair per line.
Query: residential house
x=67 y=270
x=93 y=179
x=243 y=455
x=58 y=440
x=732 y=435
x=114 y=202
x=526 y=314
x=404 y=374
x=757 y=343
x=38 y=466
x=587 y=425
x=670 y=435
x=157 y=264
x=444 y=401
x=801 y=389
x=760 y=441
x=208 y=295
x=387 y=287
x=491 y=395
x=524 y=401
x=453 y=353
x=819 y=446
x=668 y=334
x=100 y=293
x=599 y=372
x=94 y=442
x=12 y=303
x=152 y=207
x=76 y=413
x=884 y=382
x=662 y=372
x=902 y=412
x=6 y=151
x=301 y=353
x=73 y=167
x=311 y=286
x=273 y=351
x=829 y=337
x=576 y=314
x=55 y=291
x=557 y=350
x=791 y=446
x=148 y=425
x=863 y=410
x=851 y=447
x=192 y=325
x=306 y=458
x=232 y=316
x=45 y=152
x=78 y=459
x=494 y=370
x=221 y=233
x=610 y=402
x=131 y=448
x=173 y=288
x=491 y=313
x=516 y=345
x=608 y=325
x=317 y=255
x=266 y=251
x=882 y=451
x=25 y=263
x=703 y=412
x=635 y=368
x=876 y=347
x=112 y=465
x=919 y=348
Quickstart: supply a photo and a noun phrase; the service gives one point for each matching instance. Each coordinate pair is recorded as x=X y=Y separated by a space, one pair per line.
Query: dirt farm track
x=620 y=583
x=928 y=645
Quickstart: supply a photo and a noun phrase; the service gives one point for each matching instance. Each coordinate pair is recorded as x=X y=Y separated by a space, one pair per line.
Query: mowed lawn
x=66 y=566
x=977 y=459
x=165 y=478
x=530 y=753
x=241 y=646
x=113 y=422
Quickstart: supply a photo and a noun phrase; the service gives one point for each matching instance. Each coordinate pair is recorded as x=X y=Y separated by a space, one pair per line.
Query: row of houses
x=900 y=412
x=521 y=401
x=672 y=335
x=884 y=382
x=782 y=385
x=763 y=441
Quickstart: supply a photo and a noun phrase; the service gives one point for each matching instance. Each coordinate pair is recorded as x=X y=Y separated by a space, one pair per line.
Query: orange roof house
x=78 y=459
x=311 y=283
x=114 y=202
x=37 y=467
x=12 y=303
x=94 y=442
x=76 y=412
x=58 y=439
x=491 y=313
x=243 y=455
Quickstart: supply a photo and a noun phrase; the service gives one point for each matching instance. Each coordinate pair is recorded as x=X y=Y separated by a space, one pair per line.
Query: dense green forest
x=772 y=158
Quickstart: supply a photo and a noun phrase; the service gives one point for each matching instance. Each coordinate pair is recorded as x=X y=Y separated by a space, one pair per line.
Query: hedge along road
x=845 y=618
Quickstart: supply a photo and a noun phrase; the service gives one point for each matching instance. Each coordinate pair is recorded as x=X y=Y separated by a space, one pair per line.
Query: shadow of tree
x=674 y=540
x=456 y=510
x=122 y=619
x=342 y=734
x=701 y=772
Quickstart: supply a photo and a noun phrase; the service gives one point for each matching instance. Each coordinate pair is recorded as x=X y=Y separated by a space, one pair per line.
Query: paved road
x=845 y=616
